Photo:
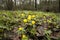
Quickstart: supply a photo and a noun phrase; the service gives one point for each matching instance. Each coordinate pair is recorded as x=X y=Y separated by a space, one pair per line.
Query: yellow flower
x=29 y=17
x=33 y=22
x=20 y=28
x=25 y=20
x=23 y=36
x=33 y=16
x=22 y=14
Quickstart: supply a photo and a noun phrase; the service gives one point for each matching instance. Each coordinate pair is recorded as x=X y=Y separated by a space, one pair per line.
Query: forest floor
x=29 y=25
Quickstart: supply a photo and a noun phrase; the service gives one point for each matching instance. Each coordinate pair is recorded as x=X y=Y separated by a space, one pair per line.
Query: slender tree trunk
x=30 y=5
x=59 y=5
x=15 y=5
x=35 y=4
x=9 y=4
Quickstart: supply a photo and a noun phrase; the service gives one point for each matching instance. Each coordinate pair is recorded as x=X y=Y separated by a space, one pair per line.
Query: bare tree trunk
x=15 y=5
x=30 y=4
x=59 y=5
x=35 y=4
x=9 y=4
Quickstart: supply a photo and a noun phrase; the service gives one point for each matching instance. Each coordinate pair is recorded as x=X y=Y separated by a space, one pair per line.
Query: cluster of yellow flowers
x=32 y=20
x=29 y=18
x=21 y=28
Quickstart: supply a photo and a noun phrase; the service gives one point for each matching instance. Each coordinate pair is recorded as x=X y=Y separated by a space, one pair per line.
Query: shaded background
x=41 y=5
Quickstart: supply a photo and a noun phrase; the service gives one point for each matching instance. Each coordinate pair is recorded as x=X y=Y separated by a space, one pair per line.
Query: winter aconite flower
x=23 y=36
x=33 y=16
x=25 y=20
x=33 y=22
x=29 y=17
x=20 y=28
x=22 y=14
